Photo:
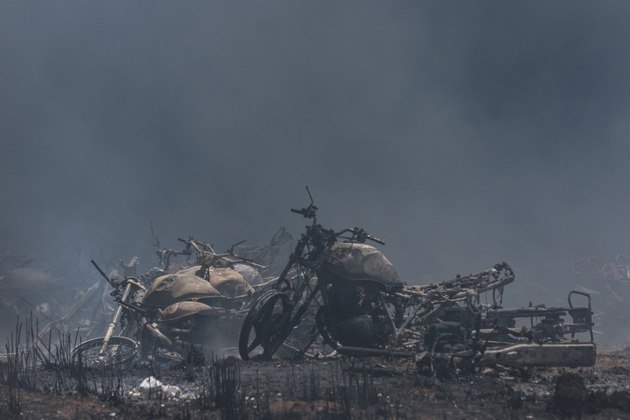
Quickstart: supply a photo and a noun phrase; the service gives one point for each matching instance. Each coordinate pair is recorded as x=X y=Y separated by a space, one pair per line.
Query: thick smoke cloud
x=463 y=133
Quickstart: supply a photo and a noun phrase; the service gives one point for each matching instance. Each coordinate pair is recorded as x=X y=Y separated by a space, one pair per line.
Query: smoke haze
x=462 y=133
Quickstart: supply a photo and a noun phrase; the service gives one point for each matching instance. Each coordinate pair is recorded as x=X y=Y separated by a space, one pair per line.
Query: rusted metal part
x=270 y=256
x=542 y=355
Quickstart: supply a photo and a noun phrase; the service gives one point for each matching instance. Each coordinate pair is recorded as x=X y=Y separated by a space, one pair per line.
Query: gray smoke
x=462 y=133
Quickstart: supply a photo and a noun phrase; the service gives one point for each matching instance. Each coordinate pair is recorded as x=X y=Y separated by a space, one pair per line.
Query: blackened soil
x=367 y=388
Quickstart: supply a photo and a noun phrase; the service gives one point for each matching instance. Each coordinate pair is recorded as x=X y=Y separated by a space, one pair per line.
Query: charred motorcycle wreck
x=336 y=295
x=362 y=308
x=174 y=315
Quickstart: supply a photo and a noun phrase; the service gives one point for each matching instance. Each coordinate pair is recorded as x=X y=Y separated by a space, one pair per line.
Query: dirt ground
x=365 y=388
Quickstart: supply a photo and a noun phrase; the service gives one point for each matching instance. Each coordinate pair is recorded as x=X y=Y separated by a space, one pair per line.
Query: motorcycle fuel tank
x=226 y=281
x=185 y=309
x=358 y=262
x=173 y=288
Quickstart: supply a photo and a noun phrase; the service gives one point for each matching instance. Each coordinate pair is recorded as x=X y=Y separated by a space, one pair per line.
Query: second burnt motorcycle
x=349 y=284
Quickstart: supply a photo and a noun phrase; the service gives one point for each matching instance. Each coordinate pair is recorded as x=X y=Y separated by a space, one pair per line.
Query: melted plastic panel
x=361 y=262
x=180 y=310
x=173 y=288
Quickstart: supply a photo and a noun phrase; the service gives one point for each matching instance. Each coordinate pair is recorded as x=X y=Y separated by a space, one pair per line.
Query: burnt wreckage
x=361 y=308
x=170 y=312
x=336 y=296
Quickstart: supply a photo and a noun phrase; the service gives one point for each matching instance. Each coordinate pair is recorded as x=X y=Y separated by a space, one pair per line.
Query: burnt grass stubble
x=39 y=379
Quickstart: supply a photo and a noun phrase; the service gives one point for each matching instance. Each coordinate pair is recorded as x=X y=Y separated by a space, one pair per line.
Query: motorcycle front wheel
x=265 y=327
x=119 y=350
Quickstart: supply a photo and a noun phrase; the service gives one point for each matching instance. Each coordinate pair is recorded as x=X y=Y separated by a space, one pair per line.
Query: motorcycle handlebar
x=361 y=235
x=191 y=243
x=375 y=239
x=309 y=212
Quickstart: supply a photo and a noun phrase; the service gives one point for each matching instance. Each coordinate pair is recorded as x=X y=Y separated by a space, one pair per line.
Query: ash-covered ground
x=365 y=388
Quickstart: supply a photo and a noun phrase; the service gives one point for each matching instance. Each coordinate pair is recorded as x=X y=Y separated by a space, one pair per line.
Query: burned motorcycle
x=362 y=309
x=352 y=285
x=117 y=349
x=177 y=315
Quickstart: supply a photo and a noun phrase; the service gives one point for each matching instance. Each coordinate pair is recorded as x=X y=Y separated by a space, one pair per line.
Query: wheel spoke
x=119 y=350
x=253 y=344
x=265 y=322
x=266 y=312
x=257 y=328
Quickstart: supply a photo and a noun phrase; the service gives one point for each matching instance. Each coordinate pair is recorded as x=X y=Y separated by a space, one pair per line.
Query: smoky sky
x=461 y=132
